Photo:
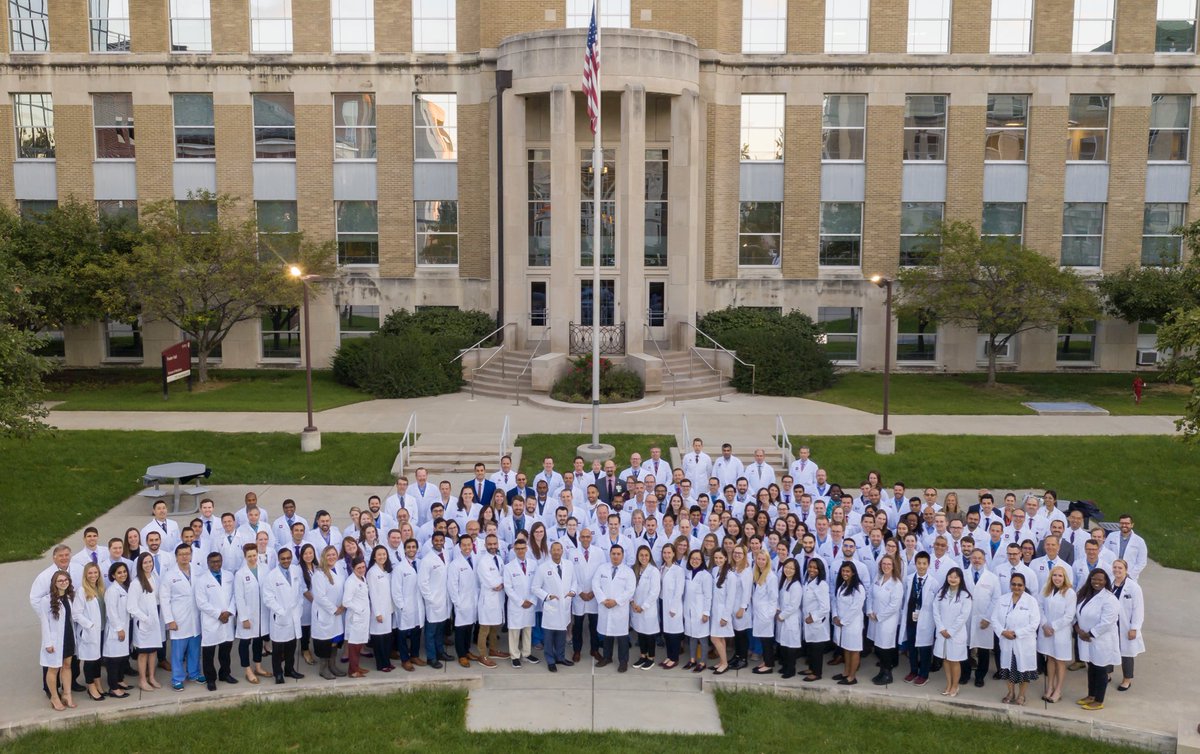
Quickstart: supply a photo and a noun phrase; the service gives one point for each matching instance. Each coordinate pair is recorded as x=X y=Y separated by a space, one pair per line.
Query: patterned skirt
x=1016 y=676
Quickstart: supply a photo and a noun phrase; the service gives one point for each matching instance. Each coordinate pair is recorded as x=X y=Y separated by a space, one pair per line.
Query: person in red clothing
x=1138 y=386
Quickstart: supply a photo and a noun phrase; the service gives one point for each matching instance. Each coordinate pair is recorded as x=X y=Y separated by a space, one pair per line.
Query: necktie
x=587 y=555
x=414 y=566
x=94 y=557
x=956 y=552
x=560 y=571
x=976 y=574
x=208 y=527
x=835 y=551
x=651 y=541
x=656 y=469
x=230 y=538
x=287 y=574
x=937 y=564
x=523 y=567
x=520 y=523
x=297 y=552
x=610 y=487
x=506 y=477
x=697 y=458
x=614 y=572
x=496 y=560
x=155 y=564
x=163 y=526
x=473 y=549
x=443 y=557
x=920 y=588
x=760 y=472
x=561 y=532
x=469 y=562
x=803 y=463
x=479 y=490
x=217 y=575
x=876 y=551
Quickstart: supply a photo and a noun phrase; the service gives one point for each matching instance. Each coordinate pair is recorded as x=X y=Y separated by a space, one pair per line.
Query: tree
x=1181 y=334
x=198 y=266
x=21 y=369
x=1150 y=294
x=994 y=285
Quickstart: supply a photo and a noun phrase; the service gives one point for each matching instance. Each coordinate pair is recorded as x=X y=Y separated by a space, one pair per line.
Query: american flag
x=591 y=71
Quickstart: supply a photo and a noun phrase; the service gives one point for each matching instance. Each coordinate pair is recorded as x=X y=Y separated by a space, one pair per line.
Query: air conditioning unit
x=1002 y=351
x=1147 y=358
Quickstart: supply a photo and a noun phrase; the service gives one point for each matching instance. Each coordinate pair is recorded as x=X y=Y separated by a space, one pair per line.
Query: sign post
x=176 y=365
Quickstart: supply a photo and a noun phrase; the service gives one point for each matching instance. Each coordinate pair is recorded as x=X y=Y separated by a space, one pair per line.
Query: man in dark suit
x=484 y=488
x=609 y=485
x=523 y=489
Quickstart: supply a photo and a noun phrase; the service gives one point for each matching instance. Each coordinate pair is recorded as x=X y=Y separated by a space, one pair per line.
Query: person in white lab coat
x=951 y=613
x=328 y=624
x=178 y=605
x=885 y=603
x=431 y=579
x=518 y=587
x=252 y=622
x=671 y=589
x=356 y=597
x=167 y=529
x=918 y=621
x=89 y=606
x=724 y=605
x=697 y=609
x=554 y=585
x=849 y=596
x=282 y=595
x=489 y=574
x=743 y=618
x=1097 y=616
x=764 y=600
x=1016 y=622
x=790 y=618
x=147 y=626
x=1128 y=546
x=614 y=585
x=645 y=617
x=1055 y=640
x=383 y=607
x=116 y=629
x=586 y=558
x=1132 y=613
x=212 y=590
x=463 y=587
x=57 y=619
x=985 y=593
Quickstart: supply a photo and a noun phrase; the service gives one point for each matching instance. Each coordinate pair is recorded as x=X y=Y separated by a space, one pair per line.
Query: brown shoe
x=395 y=655
x=596 y=655
x=602 y=663
x=464 y=662
x=407 y=666
x=473 y=657
x=486 y=662
x=165 y=665
x=420 y=663
x=575 y=657
x=499 y=654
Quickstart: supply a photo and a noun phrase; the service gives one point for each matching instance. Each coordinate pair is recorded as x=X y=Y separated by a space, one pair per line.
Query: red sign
x=177 y=361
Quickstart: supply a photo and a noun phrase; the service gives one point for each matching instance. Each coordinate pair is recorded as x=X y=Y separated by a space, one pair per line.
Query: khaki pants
x=518 y=639
x=488 y=635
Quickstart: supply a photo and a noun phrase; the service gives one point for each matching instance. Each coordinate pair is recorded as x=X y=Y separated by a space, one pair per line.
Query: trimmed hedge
x=617 y=384
x=786 y=350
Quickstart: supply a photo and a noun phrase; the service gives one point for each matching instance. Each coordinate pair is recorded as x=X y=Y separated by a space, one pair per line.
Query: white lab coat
x=489 y=573
x=924 y=637
x=556 y=613
x=724 y=604
x=1135 y=551
x=585 y=571
x=247 y=595
x=178 y=604
x=613 y=621
x=463 y=588
x=1099 y=616
x=1058 y=612
x=518 y=587
x=327 y=598
x=232 y=557
x=212 y=599
x=116 y=609
x=697 y=603
x=168 y=532
x=383 y=608
x=745 y=587
x=406 y=596
x=952 y=614
x=1023 y=618
x=1133 y=613
x=283 y=597
x=886 y=601
x=764 y=602
x=88 y=623
x=143 y=608
x=645 y=596
x=789 y=623
x=984 y=595
x=849 y=610
x=54 y=632
x=432 y=576
x=671 y=590
x=315 y=538
x=356 y=596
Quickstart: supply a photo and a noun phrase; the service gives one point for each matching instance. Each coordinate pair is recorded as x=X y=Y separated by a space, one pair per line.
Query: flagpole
x=597 y=215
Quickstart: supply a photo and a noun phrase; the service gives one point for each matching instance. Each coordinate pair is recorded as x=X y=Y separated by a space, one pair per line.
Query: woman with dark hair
x=708 y=546
x=671 y=589
x=762 y=520
x=764 y=601
x=539 y=550
x=697 y=608
x=1096 y=619
x=58 y=638
x=724 y=601
x=733 y=529
x=1016 y=621
x=379 y=593
x=816 y=611
x=874 y=479
x=147 y=626
x=116 y=629
x=788 y=617
x=775 y=494
x=849 y=597
x=951 y=611
x=644 y=605
x=350 y=552
x=368 y=538
x=308 y=566
x=357 y=600
x=133 y=544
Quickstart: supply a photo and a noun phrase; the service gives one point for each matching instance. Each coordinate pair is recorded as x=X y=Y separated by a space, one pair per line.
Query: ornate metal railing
x=612 y=339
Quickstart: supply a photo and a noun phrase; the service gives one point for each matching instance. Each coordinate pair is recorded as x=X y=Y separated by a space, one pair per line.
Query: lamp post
x=310 y=438
x=885 y=441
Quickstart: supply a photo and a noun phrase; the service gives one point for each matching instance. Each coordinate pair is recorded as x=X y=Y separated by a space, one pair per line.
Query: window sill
x=123 y=360
x=844 y=162
x=1087 y=162
x=35 y=160
x=1075 y=365
x=839 y=270
x=1006 y=162
x=278 y=362
x=275 y=159
x=115 y=159
x=210 y=160
x=924 y=162
x=364 y=160
x=1167 y=162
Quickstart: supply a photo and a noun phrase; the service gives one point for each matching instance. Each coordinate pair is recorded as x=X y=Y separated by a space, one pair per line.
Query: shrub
x=786 y=362
x=393 y=366
x=721 y=322
x=457 y=325
x=617 y=384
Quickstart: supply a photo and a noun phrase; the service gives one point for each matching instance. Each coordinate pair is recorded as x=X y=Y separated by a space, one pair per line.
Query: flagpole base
x=589 y=453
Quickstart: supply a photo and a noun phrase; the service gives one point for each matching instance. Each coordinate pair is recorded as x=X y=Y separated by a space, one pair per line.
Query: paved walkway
x=1163 y=696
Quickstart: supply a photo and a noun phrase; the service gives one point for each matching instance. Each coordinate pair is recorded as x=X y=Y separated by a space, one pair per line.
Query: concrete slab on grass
x=1065 y=408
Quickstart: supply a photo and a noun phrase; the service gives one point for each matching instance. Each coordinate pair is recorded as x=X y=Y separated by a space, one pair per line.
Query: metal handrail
x=478 y=366
x=686 y=439
x=406 y=441
x=663 y=359
x=529 y=363
x=782 y=441
x=505 y=439
x=733 y=355
x=477 y=343
x=693 y=351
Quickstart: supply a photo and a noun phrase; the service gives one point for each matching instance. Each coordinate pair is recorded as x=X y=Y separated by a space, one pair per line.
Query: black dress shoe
x=279 y=679
x=78 y=688
x=445 y=657
x=552 y=667
x=978 y=683
x=228 y=678
x=212 y=685
x=623 y=667
x=566 y=663
x=295 y=675
x=436 y=665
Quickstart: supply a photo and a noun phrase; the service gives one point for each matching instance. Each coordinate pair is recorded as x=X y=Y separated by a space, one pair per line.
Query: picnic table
x=176 y=471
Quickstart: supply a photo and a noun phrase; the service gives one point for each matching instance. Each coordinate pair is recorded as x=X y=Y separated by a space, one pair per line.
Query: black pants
x=244 y=650
x=816 y=657
x=91 y=670
x=1097 y=681
x=768 y=651
x=674 y=643
x=214 y=656
x=741 y=644
x=888 y=658
x=462 y=640
x=622 y=643
x=381 y=647
x=305 y=637
x=787 y=659
x=982 y=662
x=283 y=657
x=592 y=620
x=323 y=648
x=116 y=670
x=646 y=644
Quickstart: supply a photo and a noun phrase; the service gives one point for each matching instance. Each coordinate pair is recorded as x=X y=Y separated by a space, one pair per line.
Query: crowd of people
x=714 y=562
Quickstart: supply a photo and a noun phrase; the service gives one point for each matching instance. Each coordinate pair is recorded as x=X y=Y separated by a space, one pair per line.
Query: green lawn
x=1153 y=478
x=226 y=390
x=434 y=721
x=561 y=447
x=54 y=484
x=967 y=393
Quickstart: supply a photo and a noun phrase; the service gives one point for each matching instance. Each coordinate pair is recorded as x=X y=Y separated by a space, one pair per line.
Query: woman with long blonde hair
x=1054 y=639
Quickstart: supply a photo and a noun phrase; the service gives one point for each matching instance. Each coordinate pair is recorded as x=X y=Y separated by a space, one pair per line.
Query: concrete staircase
x=499 y=378
x=447 y=453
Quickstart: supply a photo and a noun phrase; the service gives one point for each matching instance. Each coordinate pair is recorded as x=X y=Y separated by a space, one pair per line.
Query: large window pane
x=846 y=25
x=1162 y=241
x=1176 y=27
x=1006 y=219
x=353 y=25
x=916 y=338
x=841 y=332
x=357 y=321
x=925 y=127
x=191 y=29
x=195 y=135
x=1170 y=127
x=271 y=26
x=280 y=327
x=436 y=126
x=277 y=230
x=1094 y=20
x=29 y=25
x=655 y=236
x=354 y=126
x=844 y=127
x=1077 y=343
x=608 y=208
x=357 y=232
x=434 y=26
x=113 y=118
x=760 y=229
x=764 y=26
x=1083 y=234
x=33 y=115
x=841 y=234
x=762 y=127
x=274 y=127
x=919 y=231
x=1007 y=127
x=1012 y=26
x=437 y=232
x=928 y=26
x=123 y=339
x=108 y=25
x=613 y=14
x=1087 y=128
x=539 y=207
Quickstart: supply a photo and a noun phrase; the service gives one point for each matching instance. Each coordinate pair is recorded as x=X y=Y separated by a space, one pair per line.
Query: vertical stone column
x=801 y=190
x=74 y=146
x=964 y=162
x=230 y=26
x=397 y=220
x=155 y=149
x=631 y=208
x=1053 y=25
x=563 y=291
x=685 y=202
x=311 y=26
x=885 y=165
x=888 y=30
x=515 y=225
x=723 y=177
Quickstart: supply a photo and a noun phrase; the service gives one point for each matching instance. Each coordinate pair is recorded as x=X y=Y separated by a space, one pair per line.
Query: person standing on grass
x=1138 y=386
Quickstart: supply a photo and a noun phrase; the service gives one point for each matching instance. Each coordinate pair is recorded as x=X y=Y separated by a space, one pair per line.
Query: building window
x=357 y=321
x=271 y=26
x=117 y=210
x=928 y=26
x=52 y=345
x=916 y=338
x=191 y=29
x=195 y=135
x=277 y=230
x=1007 y=128
x=538 y=309
x=539 y=207
x=1083 y=234
x=608 y=302
x=764 y=26
x=354 y=126
x=841 y=234
x=1087 y=128
x=1012 y=26
x=920 y=232
x=196 y=215
x=844 y=127
x=656 y=303
x=762 y=127
x=1162 y=238
x=1094 y=21
x=608 y=208
x=1170 y=124
x=434 y=26
x=109 y=25
x=760 y=230
x=357 y=232
x=657 y=170
x=1176 y=29
x=925 y=127
x=1004 y=220
x=123 y=339
x=846 y=23
x=1076 y=343
x=436 y=136
x=33 y=115
x=613 y=14
x=32 y=209
x=113 y=119
x=437 y=232
x=353 y=25
x=29 y=26
x=281 y=332
x=274 y=127
x=841 y=333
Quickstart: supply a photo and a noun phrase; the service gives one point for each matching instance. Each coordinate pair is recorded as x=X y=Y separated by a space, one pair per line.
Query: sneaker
x=645 y=664
x=910 y=677
x=920 y=681
x=516 y=662
x=532 y=660
x=177 y=686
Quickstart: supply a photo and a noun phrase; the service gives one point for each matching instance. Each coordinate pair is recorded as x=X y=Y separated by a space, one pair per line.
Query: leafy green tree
x=994 y=285
x=21 y=370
